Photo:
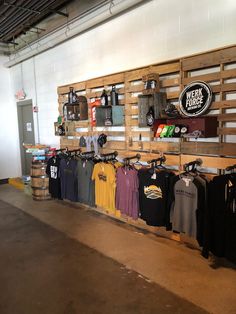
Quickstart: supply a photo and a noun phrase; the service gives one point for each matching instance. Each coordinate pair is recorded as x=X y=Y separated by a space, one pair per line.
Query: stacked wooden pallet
x=217 y=68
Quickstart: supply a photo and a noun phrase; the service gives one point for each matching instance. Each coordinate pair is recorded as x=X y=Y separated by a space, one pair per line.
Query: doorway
x=26 y=133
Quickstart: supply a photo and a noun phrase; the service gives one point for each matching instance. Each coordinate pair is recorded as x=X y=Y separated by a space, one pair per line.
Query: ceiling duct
x=99 y=14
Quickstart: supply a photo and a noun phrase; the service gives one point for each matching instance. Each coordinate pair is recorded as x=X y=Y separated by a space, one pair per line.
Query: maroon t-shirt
x=127 y=198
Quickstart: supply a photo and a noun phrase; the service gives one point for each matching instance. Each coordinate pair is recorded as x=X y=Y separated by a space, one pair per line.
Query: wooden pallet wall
x=218 y=68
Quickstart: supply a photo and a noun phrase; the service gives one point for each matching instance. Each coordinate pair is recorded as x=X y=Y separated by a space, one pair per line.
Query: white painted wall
x=156 y=31
x=9 y=147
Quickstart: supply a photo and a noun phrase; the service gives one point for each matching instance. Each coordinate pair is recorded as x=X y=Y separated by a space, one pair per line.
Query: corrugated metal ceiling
x=18 y=16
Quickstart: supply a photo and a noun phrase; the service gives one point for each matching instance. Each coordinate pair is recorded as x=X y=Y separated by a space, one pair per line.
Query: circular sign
x=195 y=99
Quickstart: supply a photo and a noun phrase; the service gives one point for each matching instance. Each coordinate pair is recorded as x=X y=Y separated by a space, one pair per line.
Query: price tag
x=186 y=180
x=154 y=176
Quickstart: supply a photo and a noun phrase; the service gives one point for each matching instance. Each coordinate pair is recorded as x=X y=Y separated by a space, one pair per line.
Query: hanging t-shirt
x=188 y=205
x=105 y=184
x=127 y=192
x=86 y=188
x=52 y=170
x=220 y=224
x=111 y=171
x=69 y=179
x=153 y=196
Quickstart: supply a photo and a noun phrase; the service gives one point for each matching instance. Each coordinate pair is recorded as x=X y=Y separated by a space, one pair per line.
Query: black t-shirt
x=153 y=196
x=221 y=217
x=52 y=171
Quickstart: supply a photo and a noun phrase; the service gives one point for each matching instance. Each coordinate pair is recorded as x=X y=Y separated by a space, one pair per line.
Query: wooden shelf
x=206 y=124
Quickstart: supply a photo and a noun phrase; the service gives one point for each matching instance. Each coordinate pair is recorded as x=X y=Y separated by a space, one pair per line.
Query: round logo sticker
x=195 y=99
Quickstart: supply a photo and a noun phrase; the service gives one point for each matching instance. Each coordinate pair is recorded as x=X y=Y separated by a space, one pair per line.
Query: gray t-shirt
x=86 y=191
x=183 y=213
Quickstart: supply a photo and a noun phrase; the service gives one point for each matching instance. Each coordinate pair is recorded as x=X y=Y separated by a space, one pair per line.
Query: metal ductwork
x=99 y=14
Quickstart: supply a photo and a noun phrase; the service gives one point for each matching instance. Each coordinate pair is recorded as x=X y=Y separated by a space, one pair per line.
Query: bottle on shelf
x=114 y=96
x=104 y=98
x=72 y=97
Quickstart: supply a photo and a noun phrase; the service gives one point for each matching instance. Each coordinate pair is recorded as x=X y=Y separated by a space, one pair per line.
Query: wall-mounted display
x=151 y=83
x=103 y=116
x=59 y=129
x=157 y=101
x=93 y=104
x=201 y=126
x=76 y=111
x=118 y=115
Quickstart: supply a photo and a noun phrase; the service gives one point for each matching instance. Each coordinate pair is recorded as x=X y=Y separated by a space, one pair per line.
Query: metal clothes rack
x=109 y=156
x=127 y=159
x=192 y=165
x=154 y=162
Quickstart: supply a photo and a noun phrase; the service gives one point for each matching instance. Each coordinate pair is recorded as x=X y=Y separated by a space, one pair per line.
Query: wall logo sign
x=195 y=99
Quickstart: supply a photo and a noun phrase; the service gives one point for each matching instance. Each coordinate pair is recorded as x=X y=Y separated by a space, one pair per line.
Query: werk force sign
x=195 y=99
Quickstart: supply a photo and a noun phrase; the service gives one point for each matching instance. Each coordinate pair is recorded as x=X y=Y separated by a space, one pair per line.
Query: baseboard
x=3 y=181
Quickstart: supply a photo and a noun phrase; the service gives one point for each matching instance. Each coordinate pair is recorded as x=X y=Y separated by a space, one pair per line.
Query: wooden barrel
x=39 y=182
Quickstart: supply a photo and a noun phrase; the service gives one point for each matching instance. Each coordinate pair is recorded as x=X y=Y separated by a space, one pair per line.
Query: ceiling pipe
x=21 y=7
x=82 y=23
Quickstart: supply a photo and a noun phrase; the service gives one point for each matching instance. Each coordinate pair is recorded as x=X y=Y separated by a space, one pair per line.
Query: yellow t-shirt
x=100 y=183
x=105 y=184
x=111 y=173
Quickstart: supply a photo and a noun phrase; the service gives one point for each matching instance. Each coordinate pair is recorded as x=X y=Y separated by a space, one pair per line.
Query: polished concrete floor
x=58 y=258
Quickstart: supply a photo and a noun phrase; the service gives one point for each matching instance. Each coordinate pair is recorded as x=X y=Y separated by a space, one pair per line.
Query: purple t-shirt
x=127 y=198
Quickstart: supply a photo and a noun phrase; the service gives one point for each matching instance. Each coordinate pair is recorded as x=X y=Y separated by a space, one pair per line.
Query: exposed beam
x=35 y=27
x=9 y=42
x=21 y=7
x=82 y=23
x=59 y=12
x=23 y=18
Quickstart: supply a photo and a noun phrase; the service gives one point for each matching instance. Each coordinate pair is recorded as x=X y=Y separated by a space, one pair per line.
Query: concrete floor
x=46 y=271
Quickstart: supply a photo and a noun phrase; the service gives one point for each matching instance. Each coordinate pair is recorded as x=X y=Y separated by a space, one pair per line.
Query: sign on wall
x=20 y=94
x=195 y=99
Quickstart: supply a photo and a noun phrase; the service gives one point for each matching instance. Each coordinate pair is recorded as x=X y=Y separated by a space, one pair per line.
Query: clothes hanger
x=127 y=161
x=137 y=163
x=191 y=168
x=154 y=164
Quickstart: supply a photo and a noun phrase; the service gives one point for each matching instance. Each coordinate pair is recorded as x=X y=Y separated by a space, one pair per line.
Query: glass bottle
x=104 y=98
x=114 y=96
x=72 y=96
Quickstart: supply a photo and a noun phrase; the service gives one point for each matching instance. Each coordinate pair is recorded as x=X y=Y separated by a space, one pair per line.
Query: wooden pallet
x=217 y=68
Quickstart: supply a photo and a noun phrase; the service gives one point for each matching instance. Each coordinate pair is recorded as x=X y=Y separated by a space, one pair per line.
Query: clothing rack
x=191 y=166
x=154 y=162
x=127 y=159
x=109 y=156
x=87 y=155
x=75 y=151
x=230 y=168
x=60 y=150
x=65 y=151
